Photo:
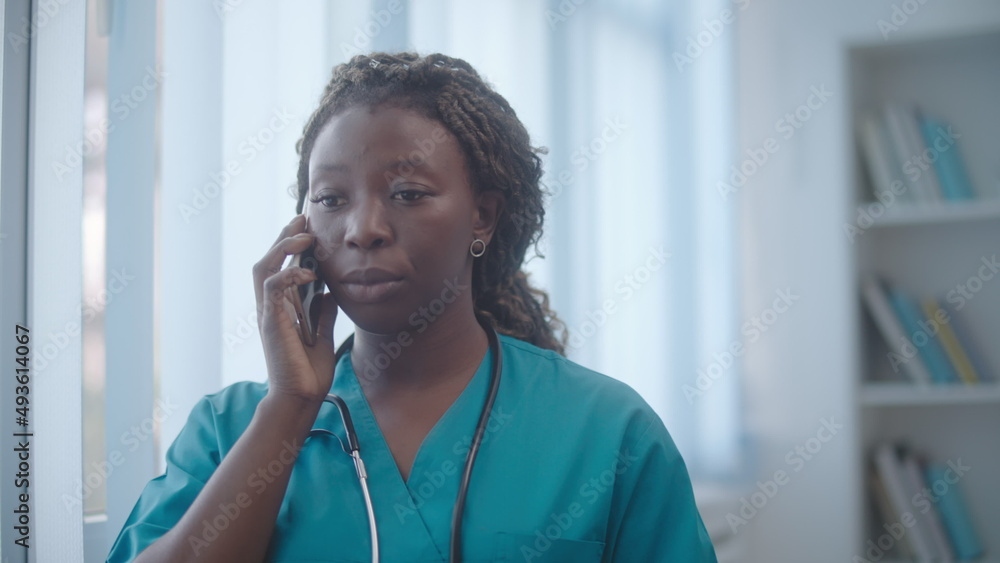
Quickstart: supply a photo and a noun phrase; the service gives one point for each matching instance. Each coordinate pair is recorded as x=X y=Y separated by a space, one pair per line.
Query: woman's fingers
x=293 y=368
x=270 y=264
x=295 y=226
x=266 y=267
x=275 y=289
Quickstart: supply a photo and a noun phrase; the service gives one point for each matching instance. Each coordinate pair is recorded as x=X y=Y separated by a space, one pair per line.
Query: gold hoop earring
x=473 y=245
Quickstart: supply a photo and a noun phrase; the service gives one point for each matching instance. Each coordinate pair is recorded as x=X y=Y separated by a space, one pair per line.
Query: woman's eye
x=408 y=195
x=328 y=201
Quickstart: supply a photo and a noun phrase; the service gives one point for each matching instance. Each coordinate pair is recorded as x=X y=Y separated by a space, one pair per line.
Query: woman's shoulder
x=237 y=396
x=547 y=377
x=544 y=366
x=230 y=409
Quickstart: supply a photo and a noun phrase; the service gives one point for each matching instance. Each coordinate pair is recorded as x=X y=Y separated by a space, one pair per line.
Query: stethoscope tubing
x=354 y=449
x=455 y=552
x=359 y=464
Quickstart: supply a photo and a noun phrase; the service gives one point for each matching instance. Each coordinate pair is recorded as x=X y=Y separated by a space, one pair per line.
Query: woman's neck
x=411 y=361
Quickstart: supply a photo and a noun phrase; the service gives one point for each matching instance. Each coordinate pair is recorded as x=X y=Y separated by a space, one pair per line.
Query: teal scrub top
x=575 y=466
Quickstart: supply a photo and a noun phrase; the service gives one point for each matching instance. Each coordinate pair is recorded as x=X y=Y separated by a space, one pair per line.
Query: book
x=891 y=473
x=954 y=515
x=952 y=347
x=872 y=288
x=951 y=171
x=913 y=476
x=887 y=513
x=930 y=350
x=879 y=159
x=919 y=166
x=908 y=146
x=969 y=344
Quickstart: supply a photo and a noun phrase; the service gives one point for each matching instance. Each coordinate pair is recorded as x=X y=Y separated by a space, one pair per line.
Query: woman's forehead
x=384 y=138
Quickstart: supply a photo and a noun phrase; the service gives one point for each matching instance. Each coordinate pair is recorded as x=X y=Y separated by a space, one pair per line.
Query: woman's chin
x=377 y=320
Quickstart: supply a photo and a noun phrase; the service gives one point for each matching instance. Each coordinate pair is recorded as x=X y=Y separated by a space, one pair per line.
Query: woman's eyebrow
x=398 y=164
x=406 y=167
x=339 y=168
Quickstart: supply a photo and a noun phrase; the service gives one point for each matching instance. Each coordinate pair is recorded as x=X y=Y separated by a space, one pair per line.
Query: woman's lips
x=371 y=292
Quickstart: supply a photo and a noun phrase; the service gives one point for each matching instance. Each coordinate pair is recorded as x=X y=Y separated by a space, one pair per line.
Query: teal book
x=929 y=348
x=951 y=172
x=954 y=515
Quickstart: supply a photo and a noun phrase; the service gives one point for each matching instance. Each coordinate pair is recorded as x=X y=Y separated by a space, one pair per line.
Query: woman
x=419 y=194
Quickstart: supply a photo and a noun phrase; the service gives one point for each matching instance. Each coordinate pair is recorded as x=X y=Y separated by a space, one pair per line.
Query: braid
x=499 y=156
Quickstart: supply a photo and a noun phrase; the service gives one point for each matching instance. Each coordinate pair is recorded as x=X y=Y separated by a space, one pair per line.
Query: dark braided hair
x=498 y=155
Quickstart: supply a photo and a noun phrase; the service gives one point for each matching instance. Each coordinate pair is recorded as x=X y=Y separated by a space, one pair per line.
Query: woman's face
x=393 y=214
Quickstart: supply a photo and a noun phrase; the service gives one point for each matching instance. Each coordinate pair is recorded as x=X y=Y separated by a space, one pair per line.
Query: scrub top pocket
x=537 y=548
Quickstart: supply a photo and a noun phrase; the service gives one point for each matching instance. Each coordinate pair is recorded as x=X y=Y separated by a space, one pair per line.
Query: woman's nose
x=367 y=226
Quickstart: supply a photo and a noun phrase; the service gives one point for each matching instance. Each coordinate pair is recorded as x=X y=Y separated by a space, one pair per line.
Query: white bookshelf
x=944 y=212
x=874 y=395
x=928 y=250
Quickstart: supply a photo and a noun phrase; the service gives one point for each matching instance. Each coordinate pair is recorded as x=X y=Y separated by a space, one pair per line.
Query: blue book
x=930 y=349
x=955 y=517
x=952 y=176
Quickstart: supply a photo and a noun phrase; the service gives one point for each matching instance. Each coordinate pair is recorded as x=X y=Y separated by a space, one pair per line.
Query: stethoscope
x=353 y=449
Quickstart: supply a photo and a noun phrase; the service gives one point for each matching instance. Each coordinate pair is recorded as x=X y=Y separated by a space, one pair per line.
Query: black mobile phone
x=306 y=300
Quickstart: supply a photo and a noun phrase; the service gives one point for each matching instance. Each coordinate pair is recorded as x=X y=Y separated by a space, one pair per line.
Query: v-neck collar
x=403 y=503
x=450 y=422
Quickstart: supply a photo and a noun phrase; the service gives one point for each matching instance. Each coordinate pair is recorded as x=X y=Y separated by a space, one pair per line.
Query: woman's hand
x=294 y=369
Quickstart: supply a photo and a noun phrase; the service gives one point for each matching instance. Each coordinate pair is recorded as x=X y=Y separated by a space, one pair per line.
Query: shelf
x=909 y=394
x=979 y=560
x=940 y=212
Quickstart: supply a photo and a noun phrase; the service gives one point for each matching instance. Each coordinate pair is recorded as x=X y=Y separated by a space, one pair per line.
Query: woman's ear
x=489 y=206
